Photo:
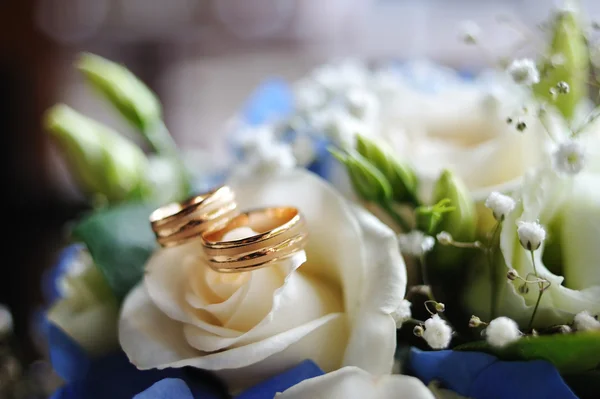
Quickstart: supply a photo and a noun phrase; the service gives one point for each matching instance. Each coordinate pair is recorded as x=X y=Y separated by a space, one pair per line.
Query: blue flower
x=481 y=376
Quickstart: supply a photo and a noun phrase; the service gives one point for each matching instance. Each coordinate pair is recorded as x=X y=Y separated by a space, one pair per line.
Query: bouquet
x=399 y=231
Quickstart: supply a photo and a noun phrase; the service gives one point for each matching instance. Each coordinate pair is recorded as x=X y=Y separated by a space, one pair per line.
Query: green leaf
x=570 y=353
x=120 y=241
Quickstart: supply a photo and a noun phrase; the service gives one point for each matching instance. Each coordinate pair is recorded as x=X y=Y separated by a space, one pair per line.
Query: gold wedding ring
x=178 y=222
x=281 y=232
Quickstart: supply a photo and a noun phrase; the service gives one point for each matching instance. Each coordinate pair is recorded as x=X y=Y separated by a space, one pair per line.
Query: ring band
x=281 y=232
x=178 y=222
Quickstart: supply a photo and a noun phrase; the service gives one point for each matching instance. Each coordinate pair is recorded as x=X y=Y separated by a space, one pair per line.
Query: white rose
x=334 y=307
x=569 y=209
x=462 y=126
x=354 y=383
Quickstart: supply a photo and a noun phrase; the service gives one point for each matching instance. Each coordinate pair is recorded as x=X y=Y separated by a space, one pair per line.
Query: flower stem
x=541 y=287
x=493 y=274
x=387 y=207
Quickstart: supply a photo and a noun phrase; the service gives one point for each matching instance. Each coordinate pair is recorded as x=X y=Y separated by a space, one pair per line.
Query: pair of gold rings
x=280 y=231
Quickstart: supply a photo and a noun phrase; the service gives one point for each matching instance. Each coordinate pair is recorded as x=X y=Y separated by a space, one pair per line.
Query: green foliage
x=120 y=241
x=570 y=353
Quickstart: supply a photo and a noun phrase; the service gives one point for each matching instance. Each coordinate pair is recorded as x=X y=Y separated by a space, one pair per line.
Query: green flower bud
x=368 y=182
x=103 y=162
x=460 y=223
x=429 y=217
x=566 y=64
x=134 y=100
x=400 y=176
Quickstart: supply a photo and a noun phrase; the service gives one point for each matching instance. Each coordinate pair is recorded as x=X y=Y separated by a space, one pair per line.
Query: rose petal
x=334 y=246
x=317 y=297
x=149 y=346
x=354 y=383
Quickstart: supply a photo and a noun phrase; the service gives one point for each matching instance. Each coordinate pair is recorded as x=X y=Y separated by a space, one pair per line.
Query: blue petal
x=267 y=389
x=51 y=277
x=272 y=100
x=69 y=360
x=169 y=388
x=479 y=375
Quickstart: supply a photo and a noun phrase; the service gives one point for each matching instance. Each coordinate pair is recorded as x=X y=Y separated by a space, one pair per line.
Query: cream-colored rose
x=462 y=126
x=331 y=303
x=354 y=383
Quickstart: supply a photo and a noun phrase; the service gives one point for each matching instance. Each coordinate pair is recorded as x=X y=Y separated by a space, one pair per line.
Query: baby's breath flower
x=474 y=322
x=562 y=87
x=402 y=313
x=524 y=71
x=415 y=243
x=500 y=204
x=339 y=126
x=512 y=275
x=502 y=331
x=437 y=332
x=569 y=158
x=584 y=321
x=362 y=103
x=531 y=235
x=444 y=238
x=469 y=32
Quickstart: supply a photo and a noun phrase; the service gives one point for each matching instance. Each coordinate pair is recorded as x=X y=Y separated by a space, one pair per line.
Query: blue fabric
x=267 y=389
x=481 y=376
x=178 y=389
x=169 y=388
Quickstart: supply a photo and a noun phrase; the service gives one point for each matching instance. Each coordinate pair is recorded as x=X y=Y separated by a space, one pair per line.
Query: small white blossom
x=569 y=158
x=437 y=332
x=415 y=243
x=303 y=149
x=273 y=159
x=362 y=103
x=402 y=313
x=469 y=32
x=500 y=204
x=309 y=96
x=502 y=331
x=584 y=321
x=339 y=126
x=524 y=71
x=444 y=238
x=531 y=235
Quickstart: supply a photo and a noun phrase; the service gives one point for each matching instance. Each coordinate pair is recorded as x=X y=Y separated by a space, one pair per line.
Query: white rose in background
x=354 y=383
x=331 y=305
x=462 y=126
x=569 y=209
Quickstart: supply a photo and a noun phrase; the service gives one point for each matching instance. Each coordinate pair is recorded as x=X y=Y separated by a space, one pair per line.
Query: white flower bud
x=500 y=204
x=531 y=235
x=474 y=322
x=512 y=274
x=418 y=331
x=584 y=321
x=569 y=158
x=402 y=313
x=415 y=243
x=440 y=307
x=444 y=238
x=524 y=71
x=502 y=331
x=437 y=332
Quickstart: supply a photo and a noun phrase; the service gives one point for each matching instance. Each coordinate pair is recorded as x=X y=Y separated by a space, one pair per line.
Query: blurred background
x=203 y=58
